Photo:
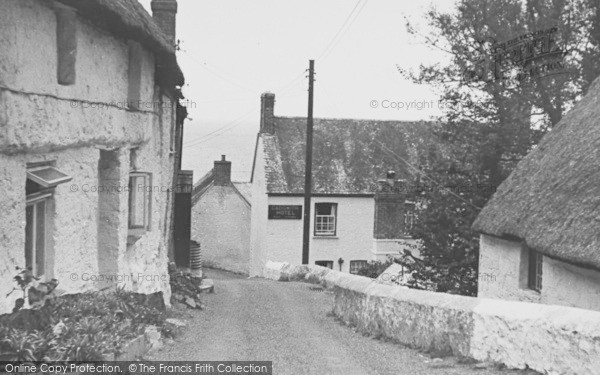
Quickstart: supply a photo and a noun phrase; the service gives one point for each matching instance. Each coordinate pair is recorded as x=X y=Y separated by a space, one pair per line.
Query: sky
x=231 y=51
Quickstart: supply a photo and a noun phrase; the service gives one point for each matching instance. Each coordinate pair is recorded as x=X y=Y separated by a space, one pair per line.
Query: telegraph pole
x=308 y=163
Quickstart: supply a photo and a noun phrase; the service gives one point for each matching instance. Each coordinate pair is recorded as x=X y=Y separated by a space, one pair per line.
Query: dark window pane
x=40 y=238
x=325 y=263
x=323 y=209
x=535 y=270
x=32 y=187
x=356 y=265
x=29 y=229
x=531 y=273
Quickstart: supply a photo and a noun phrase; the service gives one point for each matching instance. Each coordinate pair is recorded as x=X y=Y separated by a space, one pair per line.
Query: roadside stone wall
x=545 y=338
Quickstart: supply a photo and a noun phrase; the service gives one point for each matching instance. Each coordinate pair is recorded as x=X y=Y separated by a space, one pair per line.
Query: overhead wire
x=339 y=35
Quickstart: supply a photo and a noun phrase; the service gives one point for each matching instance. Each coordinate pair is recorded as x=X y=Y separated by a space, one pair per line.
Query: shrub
x=83 y=327
x=375 y=268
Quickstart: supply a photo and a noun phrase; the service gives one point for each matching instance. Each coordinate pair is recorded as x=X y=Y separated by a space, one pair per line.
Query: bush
x=375 y=268
x=83 y=327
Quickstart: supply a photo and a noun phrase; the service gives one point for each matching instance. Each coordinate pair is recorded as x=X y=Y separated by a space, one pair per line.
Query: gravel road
x=289 y=324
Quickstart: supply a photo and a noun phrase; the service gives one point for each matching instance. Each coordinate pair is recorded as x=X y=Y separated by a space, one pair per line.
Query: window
x=325 y=219
x=35 y=234
x=47 y=176
x=139 y=202
x=39 y=189
x=409 y=217
x=325 y=263
x=356 y=265
x=534 y=280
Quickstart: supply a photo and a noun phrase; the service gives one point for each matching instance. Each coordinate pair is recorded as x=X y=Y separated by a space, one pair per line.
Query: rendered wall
x=258 y=225
x=221 y=224
x=353 y=239
x=565 y=284
x=41 y=120
x=505 y=264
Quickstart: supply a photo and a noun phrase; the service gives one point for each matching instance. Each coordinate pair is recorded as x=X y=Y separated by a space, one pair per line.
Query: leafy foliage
x=34 y=291
x=375 y=268
x=489 y=125
x=82 y=327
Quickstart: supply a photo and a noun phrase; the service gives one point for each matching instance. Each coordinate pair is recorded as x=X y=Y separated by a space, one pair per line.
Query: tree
x=494 y=113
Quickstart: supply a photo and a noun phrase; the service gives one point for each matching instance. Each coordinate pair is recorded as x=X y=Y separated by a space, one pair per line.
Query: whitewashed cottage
x=90 y=134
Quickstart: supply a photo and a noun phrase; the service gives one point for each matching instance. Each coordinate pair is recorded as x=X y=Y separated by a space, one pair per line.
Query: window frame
x=322 y=233
x=138 y=230
x=324 y=263
x=406 y=229
x=47 y=183
x=535 y=270
x=354 y=263
x=34 y=200
x=37 y=190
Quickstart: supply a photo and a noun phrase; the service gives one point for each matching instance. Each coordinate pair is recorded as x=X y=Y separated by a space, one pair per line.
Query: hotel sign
x=283 y=212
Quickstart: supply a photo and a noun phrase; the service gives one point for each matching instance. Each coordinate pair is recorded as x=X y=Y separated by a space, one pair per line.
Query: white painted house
x=540 y=232
x=355 y=216
x=90 y=128
x=221 y=219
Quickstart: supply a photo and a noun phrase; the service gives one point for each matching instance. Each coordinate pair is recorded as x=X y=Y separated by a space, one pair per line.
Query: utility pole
x=308 y=163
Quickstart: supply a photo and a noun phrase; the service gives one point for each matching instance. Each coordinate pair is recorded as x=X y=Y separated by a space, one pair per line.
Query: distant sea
x=202 y=145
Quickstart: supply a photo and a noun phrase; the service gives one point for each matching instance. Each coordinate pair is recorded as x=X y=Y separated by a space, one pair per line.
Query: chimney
x=222 y=172
x=391 y=178
x=267 y=117
x=164 y=14
x=390 y=199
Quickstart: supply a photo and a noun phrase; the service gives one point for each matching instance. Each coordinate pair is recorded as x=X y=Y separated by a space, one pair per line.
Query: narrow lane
x=289 y=324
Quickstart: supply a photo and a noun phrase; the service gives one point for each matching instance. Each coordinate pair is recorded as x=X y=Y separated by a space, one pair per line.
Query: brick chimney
x=267 y=116
x=164 y=14
x=222 y=172
x=390 y=199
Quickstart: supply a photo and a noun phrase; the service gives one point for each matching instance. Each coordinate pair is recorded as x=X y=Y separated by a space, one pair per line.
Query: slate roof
x=551 y=200
x=348 y=157
x=202 y=185
x=243 y=189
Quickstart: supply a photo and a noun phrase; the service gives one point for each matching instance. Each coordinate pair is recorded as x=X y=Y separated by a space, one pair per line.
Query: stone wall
x=548 y=339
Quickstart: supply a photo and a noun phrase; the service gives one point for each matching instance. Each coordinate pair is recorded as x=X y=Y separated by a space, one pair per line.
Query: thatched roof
x=347 y=153
x=552 y=199
x=129 y=19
